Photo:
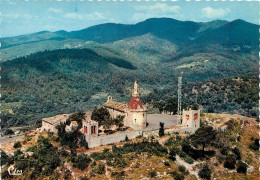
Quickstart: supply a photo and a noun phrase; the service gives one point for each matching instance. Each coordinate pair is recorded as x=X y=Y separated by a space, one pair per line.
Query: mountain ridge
x=110 y=32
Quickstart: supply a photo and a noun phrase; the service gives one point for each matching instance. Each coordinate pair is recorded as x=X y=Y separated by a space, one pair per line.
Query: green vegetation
x=216 y=96
x=80 y=161
x=205 y=172
x=230 y=161
x=17 y=144
x=204 y=136
x=242 y=167
x=177 y=176
x=103 y=117
x=161 y=130
x=255 y=145
x=74 y=138
x=152 y=174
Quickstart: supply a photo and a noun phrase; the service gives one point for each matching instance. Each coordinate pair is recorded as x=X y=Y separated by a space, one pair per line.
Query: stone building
x=49 y=124
x=89 y=127
x=134 y=113
x=191 y=119
x=73 y=125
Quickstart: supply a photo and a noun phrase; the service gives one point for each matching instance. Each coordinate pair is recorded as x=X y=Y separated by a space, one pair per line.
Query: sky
x=18 y=17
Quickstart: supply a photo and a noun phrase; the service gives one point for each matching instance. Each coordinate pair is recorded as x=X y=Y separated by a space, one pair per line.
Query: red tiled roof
x=135 y=103
x=74 y=123
x=115 y=105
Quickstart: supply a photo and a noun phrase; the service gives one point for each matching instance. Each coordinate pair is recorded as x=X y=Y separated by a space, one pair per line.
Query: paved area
x=6 y=139
x=155 y=119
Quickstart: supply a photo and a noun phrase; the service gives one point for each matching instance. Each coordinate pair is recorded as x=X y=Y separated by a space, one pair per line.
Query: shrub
x=172 y=154
x=189 y=160
x=178 y=138
x=182 y=169
x=205 y=172
x=152 y=174
x=177 y=176
x=100 y=169
x=5 y=159
x=166 y=163
x=242 y=167
x=67 y=174
x=220 y=158
x=126 y=138
x=224 y=150
x=230 y=161
x=17 y=144
x=118 y=174
x=182 y=154
x=81 y=161
x=64 y=153
x=8 y=132
x=84 y=177
x=255 y=145
x=6 y=175
x=237 y=153
x=21 y=165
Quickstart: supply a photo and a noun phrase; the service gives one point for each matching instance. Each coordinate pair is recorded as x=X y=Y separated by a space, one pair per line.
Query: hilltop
x=157 y=157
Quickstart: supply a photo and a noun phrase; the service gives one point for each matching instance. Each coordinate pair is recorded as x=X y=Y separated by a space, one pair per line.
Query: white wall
x=110 y=139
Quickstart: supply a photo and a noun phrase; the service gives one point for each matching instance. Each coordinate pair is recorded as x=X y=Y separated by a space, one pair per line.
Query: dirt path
x=189 y=167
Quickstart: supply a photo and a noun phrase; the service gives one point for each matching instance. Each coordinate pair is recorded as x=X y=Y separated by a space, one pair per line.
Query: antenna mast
x=179 y=112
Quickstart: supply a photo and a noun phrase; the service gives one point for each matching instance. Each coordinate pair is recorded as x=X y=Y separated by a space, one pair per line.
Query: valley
x=49 y=73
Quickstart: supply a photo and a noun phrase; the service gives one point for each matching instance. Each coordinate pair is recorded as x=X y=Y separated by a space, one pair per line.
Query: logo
x=14 y=172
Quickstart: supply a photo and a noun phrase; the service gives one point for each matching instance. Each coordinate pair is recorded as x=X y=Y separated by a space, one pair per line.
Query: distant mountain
x=237 y=32
x=145 y=48
x=208 y=26
x=48 y=73
x=178 y=32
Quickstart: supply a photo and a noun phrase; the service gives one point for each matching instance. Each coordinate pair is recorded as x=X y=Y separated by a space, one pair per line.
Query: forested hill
x=48 y=73
x=69 y=80
x=237 y=32
x=229 y=95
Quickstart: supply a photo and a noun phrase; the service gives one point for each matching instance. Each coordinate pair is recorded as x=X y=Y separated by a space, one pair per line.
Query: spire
x=135 y=93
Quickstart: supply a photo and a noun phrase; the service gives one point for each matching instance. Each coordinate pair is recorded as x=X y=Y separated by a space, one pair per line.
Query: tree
x=161 y=130
x=177 y=176
x=230 y=161
x=204 y=136
x=172 y=154
x=8 y=132
x=100 y=115
x=81 y=161
x=118 y=121
x=242 y=167
x=79 y=116
x=17 y=144
x=171 y=105
x=237 y=152
x=205 y=172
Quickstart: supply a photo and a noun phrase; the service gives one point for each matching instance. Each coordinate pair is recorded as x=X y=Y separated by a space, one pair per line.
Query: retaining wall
x=96 y=141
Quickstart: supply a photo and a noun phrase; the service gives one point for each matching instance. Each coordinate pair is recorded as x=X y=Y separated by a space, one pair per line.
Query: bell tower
x=137 y=117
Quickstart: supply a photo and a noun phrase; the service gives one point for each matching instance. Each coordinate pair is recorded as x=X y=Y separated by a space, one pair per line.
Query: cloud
x=17 y=16
x=156 y=10
x=54 y=10
x=91 y=17
x=159 y=7
x=211 y=13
